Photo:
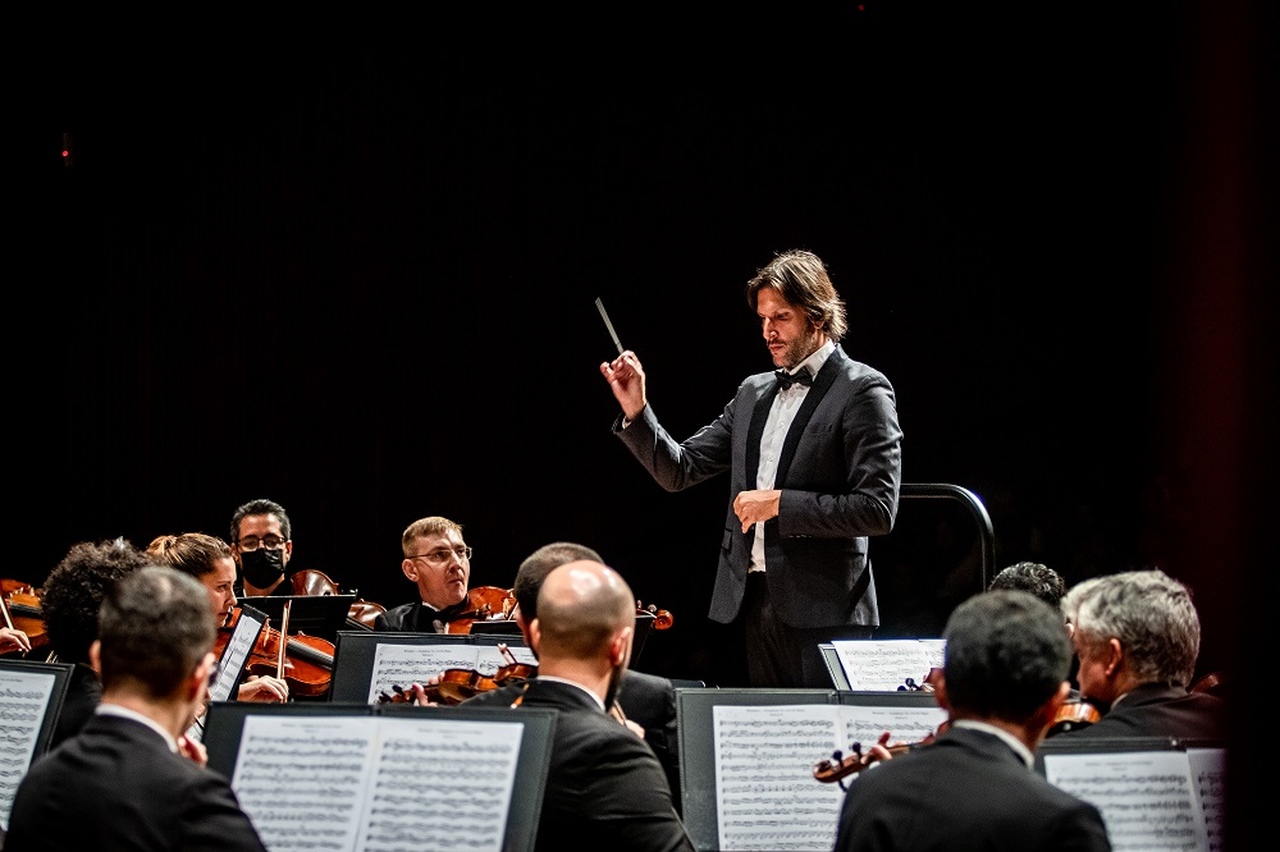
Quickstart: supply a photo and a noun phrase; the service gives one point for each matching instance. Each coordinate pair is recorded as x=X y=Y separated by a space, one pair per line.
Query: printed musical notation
x=376 y=784
x=405 y=664
x=24 y=698
x=1171 y=800
x=885 y=664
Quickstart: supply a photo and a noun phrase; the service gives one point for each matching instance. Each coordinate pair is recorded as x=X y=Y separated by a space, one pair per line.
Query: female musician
x=209 y=560
x=13 y=639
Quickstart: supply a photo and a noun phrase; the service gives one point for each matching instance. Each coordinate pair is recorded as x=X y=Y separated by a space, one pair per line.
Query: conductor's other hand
x=626 y=378
x=753 y=507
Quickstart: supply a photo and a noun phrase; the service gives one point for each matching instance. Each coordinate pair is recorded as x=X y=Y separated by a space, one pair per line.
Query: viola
x=20 y=610
x=840 y=766
x=457 y=685
x=661 y=618
x=310 y=582
x=304 y=662
x=1074 y=714
x=484 y=603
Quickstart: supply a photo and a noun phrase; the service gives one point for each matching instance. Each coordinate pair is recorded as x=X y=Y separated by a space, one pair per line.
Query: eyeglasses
x=250 y=543
x=443 y=555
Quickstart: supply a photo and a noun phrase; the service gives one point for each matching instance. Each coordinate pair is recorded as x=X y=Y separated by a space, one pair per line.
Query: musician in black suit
x=605 y=788
x=814 y=455
x=69 y=602
x=1137 y=638
x=646 y=700
x=437 y=561
x=974 y=788
x=128 y=779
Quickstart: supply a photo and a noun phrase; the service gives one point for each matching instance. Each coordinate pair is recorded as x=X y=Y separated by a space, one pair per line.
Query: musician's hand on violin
x=878 y=751
x=263 y=688
x=194 y=751
x=418 y=693
x=626 y=379
x=13 y=639
x=752 y=507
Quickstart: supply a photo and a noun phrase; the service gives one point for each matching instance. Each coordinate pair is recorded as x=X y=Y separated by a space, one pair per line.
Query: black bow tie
x=786 y=380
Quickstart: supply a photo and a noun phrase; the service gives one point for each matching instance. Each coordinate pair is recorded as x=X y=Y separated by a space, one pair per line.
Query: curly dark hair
x=72 y=595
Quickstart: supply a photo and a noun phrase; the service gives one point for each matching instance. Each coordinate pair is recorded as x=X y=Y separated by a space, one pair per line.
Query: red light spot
x=66 y=153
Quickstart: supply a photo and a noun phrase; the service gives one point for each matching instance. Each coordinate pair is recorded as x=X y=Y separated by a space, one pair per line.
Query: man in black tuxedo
x=1137 y=637
x=814 y=455
x=128 y=779
x=438 y=562
x=605 y=787
x=647 y=700
x=974 y=787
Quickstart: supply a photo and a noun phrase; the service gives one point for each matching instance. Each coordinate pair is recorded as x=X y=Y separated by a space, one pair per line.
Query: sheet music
x=373 y=784
x=231 y=665
x=863 y=724
x=24 y=698
x=1209 y=771
x=405 y=664
x=436 y=780
x=1148 y=798
x=885 y=664
x=766 y=795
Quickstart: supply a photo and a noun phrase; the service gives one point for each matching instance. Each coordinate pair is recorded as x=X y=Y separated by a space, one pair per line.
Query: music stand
x=313 y=615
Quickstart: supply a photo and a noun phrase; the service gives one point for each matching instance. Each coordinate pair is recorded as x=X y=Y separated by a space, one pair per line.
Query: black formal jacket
x=839 y=473
x=646 y=699
x=117 y=785
x=969 y=790
x=1159 y=710
x=605 y=788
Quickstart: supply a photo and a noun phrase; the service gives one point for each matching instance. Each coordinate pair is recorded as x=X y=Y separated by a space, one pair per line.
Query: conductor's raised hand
x=626 y=378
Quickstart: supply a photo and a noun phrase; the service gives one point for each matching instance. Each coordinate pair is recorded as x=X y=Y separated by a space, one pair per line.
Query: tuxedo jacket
x=605 y=788
x=968 y=790
x=646 y=699
x=839 y=473
x=1159 y=710
x=116 y=785
x=415 y=617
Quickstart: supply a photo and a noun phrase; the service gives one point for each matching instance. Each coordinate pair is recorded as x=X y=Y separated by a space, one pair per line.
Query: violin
x=304 y=662
x=661 y=618
x=840 y=766
x=1074 y=714
x=484 y=603
x=310 y=582
x=457 y=685
x=20 y=610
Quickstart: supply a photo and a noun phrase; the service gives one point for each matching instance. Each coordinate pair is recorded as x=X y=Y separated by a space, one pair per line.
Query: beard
x=800 y=348
x=615 y=683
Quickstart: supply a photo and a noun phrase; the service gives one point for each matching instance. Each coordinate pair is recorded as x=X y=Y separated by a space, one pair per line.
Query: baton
x=604 y=315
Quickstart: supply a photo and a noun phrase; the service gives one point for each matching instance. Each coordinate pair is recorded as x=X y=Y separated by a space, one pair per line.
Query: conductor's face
x=790 y=335
x=440 y=566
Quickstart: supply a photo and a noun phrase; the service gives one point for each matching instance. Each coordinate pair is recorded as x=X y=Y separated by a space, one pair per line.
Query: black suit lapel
x=755 y=432
x=821 y=384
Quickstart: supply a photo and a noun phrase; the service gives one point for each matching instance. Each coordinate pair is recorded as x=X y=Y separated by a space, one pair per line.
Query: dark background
x=361 y=282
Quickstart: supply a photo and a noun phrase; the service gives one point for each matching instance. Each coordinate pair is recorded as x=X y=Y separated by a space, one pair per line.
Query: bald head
x=582 y=606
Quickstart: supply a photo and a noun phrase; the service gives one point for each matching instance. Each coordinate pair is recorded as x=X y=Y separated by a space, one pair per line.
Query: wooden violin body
x=21 y=611
x=1072 y=715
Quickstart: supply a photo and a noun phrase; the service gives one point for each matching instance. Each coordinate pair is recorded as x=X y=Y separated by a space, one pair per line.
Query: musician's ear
x=940 y=692
x=410 y=569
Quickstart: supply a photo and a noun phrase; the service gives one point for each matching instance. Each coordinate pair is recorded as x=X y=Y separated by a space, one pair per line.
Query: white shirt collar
x=125 y=713
x=554 y=679
x=1014 y=743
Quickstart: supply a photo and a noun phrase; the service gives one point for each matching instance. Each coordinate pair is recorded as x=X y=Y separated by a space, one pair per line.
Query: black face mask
x=262 y=567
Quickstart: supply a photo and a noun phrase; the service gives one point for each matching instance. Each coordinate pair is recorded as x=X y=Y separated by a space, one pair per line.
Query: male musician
x=647 y=700
x=438 y=562
x=209 y=560
x=974 y=787
x=605 y=788
x=814 y=455
x=125 y=781
x=262 y=545
x=1137 y=637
